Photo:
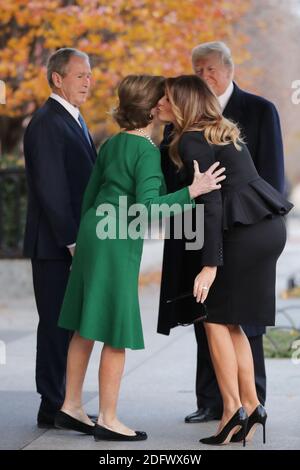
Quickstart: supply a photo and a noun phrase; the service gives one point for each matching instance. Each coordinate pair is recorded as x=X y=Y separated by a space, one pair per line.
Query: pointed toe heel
x=259 y=416
x=240 y=418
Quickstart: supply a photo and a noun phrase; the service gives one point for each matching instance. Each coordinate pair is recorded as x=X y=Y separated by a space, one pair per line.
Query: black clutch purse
x=188 y=310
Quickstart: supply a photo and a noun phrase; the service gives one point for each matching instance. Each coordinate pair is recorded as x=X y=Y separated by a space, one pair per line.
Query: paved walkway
x=158 y=386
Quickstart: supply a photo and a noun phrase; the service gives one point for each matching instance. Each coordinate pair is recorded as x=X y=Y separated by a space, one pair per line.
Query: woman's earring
x=150 y=116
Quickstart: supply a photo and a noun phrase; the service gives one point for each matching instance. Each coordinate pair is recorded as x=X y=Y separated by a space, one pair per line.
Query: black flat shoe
x=202 y=415
x=104 y=434
x=259 y=416
x=65 y=421
x=240 y=418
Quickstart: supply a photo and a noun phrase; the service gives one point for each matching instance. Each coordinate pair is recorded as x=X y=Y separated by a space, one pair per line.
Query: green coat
x=101 y=299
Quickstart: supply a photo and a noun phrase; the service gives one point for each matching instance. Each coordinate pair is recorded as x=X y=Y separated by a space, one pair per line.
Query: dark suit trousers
x=207 y=390
x=50 y=279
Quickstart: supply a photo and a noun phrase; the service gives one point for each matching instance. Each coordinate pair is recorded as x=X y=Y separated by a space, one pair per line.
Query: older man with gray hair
x=59 y=156
x=259 y=122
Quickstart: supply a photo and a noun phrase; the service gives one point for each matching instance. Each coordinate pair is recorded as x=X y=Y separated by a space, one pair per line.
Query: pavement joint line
x=34 y=439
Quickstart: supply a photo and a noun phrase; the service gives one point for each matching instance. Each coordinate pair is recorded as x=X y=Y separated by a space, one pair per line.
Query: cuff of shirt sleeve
x=71 y=246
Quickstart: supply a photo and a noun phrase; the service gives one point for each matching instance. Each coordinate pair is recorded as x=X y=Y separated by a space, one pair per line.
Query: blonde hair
x=196 y=108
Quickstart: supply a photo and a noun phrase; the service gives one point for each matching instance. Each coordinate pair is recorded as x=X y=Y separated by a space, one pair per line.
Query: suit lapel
x=234 y=108
x=72 y=122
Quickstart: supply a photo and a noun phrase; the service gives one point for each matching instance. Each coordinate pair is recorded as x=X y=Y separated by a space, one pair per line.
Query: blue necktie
x=84 y=128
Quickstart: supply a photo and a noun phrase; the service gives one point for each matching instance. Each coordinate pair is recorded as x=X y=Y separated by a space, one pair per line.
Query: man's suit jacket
x=259 y=123
x=59 y=161
x=260 y=126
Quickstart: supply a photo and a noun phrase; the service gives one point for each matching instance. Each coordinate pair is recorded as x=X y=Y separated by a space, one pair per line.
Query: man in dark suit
x=59 y=156
x=259 y=122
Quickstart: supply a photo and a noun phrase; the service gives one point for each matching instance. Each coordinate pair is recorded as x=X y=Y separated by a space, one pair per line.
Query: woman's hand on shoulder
x=206 y=182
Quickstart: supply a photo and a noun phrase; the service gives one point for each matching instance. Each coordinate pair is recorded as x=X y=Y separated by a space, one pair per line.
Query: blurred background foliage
x=152 y=36
x=120 y=36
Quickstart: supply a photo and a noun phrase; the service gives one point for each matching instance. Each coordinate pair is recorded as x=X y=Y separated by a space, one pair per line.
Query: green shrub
x=278 y=342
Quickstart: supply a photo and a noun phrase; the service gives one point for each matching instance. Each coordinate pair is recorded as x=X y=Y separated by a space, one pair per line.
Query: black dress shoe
x=45 y=419
x=104 y=434
x=203 y=414
x=65 y=421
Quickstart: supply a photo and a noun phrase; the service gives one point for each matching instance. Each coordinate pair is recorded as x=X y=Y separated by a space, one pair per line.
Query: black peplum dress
x=244 y=235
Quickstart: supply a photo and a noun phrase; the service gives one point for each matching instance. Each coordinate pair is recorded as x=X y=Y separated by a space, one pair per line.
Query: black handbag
x=188 y=310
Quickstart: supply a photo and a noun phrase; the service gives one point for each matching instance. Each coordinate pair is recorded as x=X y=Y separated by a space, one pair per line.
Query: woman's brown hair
x=138 y=94
x=197 y=108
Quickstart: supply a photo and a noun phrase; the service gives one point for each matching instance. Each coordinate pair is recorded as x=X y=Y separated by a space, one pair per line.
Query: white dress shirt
x=74 y=113
x=223 y=99
x=73 y=110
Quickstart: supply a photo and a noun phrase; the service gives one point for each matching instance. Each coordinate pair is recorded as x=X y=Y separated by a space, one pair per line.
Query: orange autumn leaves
x=121 y=37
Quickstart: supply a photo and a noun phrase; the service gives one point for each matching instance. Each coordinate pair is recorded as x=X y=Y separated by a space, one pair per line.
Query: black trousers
x=50 y=279
x=207 y=390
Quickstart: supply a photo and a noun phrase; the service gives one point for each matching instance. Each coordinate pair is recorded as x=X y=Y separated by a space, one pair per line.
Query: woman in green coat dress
x=101 y=299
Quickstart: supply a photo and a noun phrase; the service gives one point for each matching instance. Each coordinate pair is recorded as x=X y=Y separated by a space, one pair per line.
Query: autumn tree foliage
x=121 y=37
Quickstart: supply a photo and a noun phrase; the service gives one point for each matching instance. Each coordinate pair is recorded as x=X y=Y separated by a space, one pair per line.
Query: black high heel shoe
x=259 y=416
x=240 y=418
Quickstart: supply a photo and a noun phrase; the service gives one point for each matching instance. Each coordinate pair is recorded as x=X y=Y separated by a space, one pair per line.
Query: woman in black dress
x=235 y=271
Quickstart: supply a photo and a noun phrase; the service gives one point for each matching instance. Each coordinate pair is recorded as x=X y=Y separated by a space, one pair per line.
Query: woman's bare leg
x=110 y=375
x=226 y=368
x=78 y=358
x=246 y=376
